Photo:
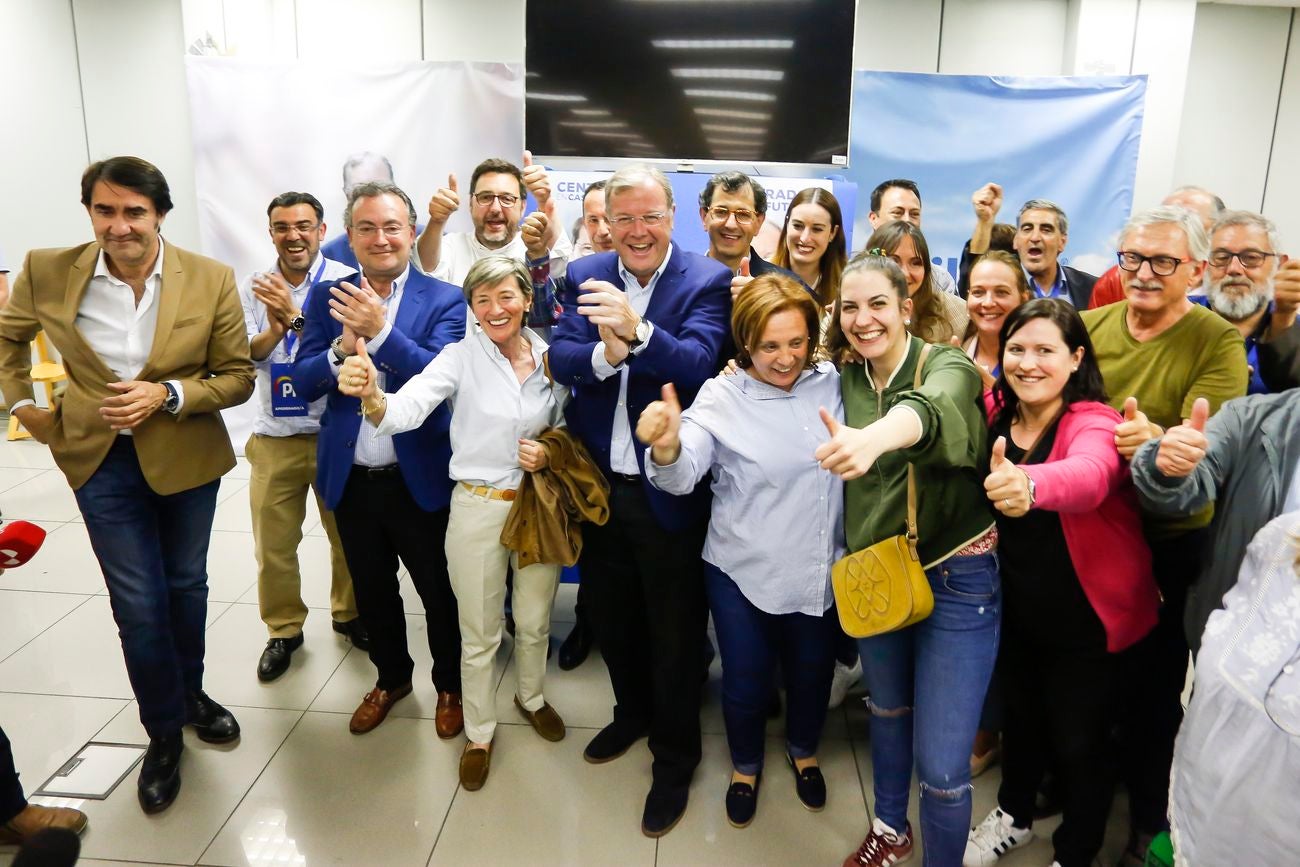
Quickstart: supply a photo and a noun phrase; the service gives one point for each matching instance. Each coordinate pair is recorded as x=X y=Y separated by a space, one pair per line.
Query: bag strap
x=912 y=535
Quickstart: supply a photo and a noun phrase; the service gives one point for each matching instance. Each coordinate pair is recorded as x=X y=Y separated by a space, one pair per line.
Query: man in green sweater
x=1158 y=353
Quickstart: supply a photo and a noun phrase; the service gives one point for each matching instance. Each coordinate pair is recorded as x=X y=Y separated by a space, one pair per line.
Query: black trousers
x=12 y=801
x=379 y=522
x=1058 y=704
x=645 y=592
x=1154 y=674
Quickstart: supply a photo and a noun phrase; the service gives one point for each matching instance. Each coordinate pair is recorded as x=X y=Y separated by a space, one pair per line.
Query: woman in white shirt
x=502 y=400
x=775 y=529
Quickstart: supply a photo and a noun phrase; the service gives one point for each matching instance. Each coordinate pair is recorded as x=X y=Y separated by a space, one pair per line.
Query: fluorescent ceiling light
x=742 y=95
x=731 y=141
x=733 y=113
x=740 y=130
x=595 y=124
x=603 y=133
x=727 y=74
x=557 y=97
x=590 y=112
x=723 y=44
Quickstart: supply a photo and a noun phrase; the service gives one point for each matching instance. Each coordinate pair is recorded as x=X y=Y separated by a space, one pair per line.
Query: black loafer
x=611 y=742
x=160 y=773
x=742 y=802
x=355 y=631
x=212 y=722
x=809 y=785
x=664 y=808
x=576 y=647
x=275 y=658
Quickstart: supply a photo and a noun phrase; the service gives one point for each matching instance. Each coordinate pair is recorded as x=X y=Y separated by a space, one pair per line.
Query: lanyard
x=291 y=336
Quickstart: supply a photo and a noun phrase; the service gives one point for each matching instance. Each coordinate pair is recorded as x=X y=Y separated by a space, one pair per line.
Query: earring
x=907 y=322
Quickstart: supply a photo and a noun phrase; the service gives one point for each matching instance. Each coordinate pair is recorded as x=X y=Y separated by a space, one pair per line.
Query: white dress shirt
x=120 y=331
x=322 y=271
x=622 y=453
x=460 y=250
x=492 y=409
x=375 y=449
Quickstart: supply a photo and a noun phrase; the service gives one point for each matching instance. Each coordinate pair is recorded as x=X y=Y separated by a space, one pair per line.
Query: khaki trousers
x=477 y=561
x=284 y=468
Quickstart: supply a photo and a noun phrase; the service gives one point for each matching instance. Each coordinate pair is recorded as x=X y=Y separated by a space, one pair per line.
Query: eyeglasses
x=485 y=200
x=652 y=219
x=1161 y=266
x=1248 y=258
x=719 y=214
x=391 y=230
x=302 y=228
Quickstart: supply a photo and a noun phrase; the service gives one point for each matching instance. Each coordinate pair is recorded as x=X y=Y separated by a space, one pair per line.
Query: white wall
x=83 y=79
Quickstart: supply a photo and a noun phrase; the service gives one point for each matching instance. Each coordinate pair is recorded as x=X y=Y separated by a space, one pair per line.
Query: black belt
x=386 y=472
x=625 y=478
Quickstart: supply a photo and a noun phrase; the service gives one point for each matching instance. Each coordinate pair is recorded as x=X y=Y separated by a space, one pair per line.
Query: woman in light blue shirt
x=775 y=529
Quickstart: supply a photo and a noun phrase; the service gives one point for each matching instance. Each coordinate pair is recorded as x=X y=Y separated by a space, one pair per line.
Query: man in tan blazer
x=152 y=338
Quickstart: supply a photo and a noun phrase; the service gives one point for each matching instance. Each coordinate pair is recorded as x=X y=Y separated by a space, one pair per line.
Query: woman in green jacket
x=927 y=681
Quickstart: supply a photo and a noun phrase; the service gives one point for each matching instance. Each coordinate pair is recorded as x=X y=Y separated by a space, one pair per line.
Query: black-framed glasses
x=485 y=200
x=720 y=214
x=1221 y=258
x=1161 y=266
x=301 y=228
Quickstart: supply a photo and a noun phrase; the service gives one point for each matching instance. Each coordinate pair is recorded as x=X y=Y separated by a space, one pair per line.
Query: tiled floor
x=298 y=789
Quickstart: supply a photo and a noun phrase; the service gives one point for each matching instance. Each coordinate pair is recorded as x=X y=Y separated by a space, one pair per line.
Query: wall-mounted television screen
x=690 y=80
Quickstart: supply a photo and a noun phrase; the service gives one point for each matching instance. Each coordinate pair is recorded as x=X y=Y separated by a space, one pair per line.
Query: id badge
x=285 y=402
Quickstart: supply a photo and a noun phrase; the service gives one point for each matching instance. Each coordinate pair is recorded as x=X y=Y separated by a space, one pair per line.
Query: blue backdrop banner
x=1073 y=140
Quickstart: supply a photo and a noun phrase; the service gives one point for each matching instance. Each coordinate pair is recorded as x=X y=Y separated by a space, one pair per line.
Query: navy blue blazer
x=691 y=313
x=430 y=315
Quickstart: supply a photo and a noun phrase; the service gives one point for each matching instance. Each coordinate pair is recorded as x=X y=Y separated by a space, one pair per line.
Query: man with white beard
x=1249 y=284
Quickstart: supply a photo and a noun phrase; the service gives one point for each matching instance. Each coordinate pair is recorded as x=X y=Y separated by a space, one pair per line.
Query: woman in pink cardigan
x=1076 y=579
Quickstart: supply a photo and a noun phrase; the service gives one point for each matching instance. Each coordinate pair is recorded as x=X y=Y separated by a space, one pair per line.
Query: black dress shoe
x=611 y=742
x=664 y=808
x=809 y=785
x=212 y=722
x=275 y=658
x=742 y=802
x=160 y=773
x=574 y=650
x=355 y=631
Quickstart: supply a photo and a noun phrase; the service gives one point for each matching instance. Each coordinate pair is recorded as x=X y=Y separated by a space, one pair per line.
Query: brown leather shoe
x=375 y=707
x=35 y=818
x=449 y=718
x=545 y=720
x=474 y=763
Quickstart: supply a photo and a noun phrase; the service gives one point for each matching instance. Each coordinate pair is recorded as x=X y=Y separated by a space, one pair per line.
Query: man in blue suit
x=389 y=495
x=634 y=319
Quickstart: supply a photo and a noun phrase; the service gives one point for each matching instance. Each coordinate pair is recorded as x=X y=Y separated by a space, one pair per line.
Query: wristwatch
x=640 y=336
x=298 y=322
x=173 y=400
x=1033 y=490
x=336 y=346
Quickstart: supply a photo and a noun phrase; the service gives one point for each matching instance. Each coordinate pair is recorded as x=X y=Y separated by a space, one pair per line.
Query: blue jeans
x=750 y=641
x=153 y=550
x=927 y=685
x=12 y=801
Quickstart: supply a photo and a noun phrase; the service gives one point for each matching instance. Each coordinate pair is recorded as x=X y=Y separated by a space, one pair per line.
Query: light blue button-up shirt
x=778 y=517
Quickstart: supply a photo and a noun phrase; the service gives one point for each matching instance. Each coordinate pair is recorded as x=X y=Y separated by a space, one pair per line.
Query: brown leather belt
x=489 y=493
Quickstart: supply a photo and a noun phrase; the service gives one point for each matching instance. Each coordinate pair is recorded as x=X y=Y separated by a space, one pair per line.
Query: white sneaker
x=993 y=838
x=844 y=680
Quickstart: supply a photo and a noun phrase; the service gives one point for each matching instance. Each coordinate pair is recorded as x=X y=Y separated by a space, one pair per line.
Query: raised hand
x=1134 y=430
x=444 y=203
x=1183 y=446
x=533 y=232
x=535 y=180
x=849 y=453
x=272 y=290
x=659 y=425
x=604 y=304
x=1007 y=486
x=358 y=376
x=359 y=308
x=1286 y=290
x=742 y=278
x=987 y=201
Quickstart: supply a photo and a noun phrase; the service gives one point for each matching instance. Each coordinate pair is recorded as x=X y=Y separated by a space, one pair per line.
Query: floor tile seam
x=42 y=471
x=445 y=819
x=66 y=615
x=327 y=680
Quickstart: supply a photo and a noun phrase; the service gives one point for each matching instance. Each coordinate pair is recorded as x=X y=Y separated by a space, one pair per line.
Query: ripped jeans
x=927 y=685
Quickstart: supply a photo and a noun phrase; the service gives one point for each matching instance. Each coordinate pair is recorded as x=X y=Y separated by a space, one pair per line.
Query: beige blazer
x=200 y=341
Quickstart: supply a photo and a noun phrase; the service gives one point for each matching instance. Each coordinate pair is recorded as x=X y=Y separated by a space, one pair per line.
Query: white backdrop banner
x=261 y=128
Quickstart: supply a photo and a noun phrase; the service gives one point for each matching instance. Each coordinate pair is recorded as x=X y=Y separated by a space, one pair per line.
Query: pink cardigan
x=1087 y=482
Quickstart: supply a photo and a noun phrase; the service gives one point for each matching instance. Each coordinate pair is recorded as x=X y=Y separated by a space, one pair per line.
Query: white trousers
x=476 y=561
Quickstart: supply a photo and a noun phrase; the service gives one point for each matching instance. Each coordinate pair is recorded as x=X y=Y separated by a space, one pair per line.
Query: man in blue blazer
x=634 y=319
x=390 y=495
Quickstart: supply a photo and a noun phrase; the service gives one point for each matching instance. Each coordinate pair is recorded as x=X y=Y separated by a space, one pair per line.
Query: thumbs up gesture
x=849 y=452
x=1183 y=446
x=659 y=425
x=1134 y=430
x=358 y=376
x=742 y=278
x=535 y=180
x=1007 y=486
x=444 y=203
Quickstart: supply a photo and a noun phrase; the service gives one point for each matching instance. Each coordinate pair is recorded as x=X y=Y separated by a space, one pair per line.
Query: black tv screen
x=690 y=80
